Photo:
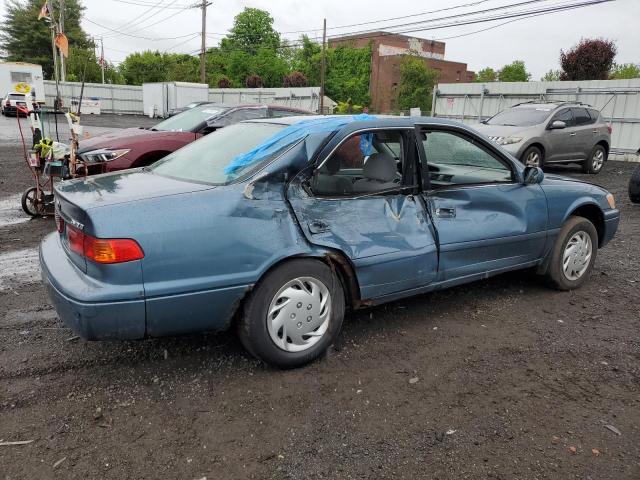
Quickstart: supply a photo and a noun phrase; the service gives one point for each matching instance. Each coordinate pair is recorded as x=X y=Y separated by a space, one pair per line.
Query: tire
x=634 y=186
x=259 y=336
x=533 y=157
x=593 y=165
x=574 y=227
x=31 y=205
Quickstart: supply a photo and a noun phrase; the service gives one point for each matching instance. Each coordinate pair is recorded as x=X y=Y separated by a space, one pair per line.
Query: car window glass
x=564 y=116
x=205 y=160
x=520 y=117
x=581 y=117
x=277 y=113
x=594 y=114
x=455 y=160
x=189 y=119
x=367 y=162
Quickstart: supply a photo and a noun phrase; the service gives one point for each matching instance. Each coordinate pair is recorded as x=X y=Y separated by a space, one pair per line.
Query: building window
x=458 y=76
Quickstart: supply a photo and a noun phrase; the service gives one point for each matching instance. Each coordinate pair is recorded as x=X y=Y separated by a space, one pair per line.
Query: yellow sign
x=22 y=87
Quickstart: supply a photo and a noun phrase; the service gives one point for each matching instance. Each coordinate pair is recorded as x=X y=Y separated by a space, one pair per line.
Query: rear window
x=205 y=160
x=594 y=114
x=17 y=96
x=520 y=117
x=581 y=116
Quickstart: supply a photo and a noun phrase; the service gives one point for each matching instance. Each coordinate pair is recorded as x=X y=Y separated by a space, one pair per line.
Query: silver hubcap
x=299 y=314
x=532 y=160
x=577 y=255
x=598 y=160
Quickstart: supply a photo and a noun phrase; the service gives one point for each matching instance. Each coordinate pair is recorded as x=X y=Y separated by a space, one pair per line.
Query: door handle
x=318 y=226
x=446 y=212
x=572 y=134
x=595 y=131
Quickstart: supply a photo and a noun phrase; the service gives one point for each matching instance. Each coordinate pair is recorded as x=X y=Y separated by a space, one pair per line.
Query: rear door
x=486 y=219
x=363 y=199
x=586 y=134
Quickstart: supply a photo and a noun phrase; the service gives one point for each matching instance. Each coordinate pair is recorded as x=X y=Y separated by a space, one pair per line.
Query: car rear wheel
x=533 y=157
x=573 y=255
x=634 y=186
x=294 y=314
x=596 y=160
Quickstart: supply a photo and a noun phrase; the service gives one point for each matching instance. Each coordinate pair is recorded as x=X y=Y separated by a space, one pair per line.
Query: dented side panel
x=387 y=238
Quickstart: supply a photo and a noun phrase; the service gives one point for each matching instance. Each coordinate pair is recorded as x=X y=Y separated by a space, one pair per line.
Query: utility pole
x=203 y=47
x=323 y=65
x=102 y=57
x=63 y=73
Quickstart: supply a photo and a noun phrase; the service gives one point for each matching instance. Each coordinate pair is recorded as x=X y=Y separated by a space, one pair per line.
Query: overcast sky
x=536 y=40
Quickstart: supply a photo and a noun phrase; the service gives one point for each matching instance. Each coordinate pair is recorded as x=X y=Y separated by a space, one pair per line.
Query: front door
x=486 y=219
x=562 y=140
x=362 y=201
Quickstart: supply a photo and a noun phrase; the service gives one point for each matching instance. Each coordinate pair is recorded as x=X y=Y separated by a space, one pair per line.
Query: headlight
x=510 y=140
x=103 y=155
x=611 y=200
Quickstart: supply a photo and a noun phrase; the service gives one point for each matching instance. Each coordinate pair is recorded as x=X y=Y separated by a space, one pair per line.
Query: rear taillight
x=103 y=250
x=610 y=128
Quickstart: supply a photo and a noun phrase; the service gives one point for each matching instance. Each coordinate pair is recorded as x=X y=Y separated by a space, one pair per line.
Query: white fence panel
x=618 y=100
x=127 y=99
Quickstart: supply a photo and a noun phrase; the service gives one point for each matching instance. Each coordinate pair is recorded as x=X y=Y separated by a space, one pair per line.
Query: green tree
x=308 y=59
x=252 y=30
x=416 y=84
x=24 y=38
x=82 y=64
x=347 y=74
x=551 y=76
x=514 y=72
x=143 y=67
x=486 y=75
x=624 y=71
x=183 y=68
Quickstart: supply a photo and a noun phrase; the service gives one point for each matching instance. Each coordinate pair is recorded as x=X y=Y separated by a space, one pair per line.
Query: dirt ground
x=514 y=381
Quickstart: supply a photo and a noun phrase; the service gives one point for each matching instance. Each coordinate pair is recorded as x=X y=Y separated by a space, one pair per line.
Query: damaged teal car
x=278 y=226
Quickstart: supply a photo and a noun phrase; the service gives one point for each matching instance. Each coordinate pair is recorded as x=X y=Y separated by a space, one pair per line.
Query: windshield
x=520 y=117
x=189 y=119
x=205 y=160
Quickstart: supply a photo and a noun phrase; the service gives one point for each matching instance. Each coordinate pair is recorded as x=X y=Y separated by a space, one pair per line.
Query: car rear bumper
x=611 y=221
x=93 y=320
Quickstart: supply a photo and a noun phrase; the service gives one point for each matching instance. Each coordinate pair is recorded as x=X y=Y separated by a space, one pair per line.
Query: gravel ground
x=500 y=379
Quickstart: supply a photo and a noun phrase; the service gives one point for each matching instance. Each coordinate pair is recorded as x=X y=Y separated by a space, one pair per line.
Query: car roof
x=254 y=105
x=371 y=121
x=550 y=105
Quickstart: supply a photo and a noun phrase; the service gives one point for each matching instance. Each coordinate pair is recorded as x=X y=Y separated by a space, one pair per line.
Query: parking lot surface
x=502 y=379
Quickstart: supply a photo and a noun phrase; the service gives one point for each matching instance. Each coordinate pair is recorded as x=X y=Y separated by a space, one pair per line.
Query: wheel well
x=594 y=215
x=540 y=146
x=604 y=145
x=150 y=157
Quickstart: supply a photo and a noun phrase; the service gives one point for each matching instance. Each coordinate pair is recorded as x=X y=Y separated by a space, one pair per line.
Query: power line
x=153 y=39
x=149 y=4
x=133 y=25
x=472 y=4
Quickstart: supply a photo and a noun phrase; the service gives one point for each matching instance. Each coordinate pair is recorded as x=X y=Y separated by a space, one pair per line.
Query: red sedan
x=138 y=147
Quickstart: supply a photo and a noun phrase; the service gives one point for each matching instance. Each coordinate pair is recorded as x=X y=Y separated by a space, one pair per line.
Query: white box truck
x=20 y=77
x=159 y=99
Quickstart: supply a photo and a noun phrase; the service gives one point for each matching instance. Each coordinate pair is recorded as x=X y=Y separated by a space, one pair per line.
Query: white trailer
x=158 y=99
x=20 y=77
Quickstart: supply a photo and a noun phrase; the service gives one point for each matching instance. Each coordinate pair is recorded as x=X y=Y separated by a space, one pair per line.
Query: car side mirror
x=557 y=125
x=533 y=175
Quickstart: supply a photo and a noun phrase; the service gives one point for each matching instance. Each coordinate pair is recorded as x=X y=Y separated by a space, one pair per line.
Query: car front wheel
x=533 y=157
x=573 y=255
x=596 y=160
x=294 y=314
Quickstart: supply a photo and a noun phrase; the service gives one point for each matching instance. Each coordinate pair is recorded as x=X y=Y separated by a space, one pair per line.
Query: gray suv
x=540 y=133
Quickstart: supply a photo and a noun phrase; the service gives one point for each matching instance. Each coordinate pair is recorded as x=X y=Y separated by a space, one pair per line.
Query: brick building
x=387 y=51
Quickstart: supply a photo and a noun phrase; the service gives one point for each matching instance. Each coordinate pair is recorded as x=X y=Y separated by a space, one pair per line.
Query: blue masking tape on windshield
x=292 y=134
